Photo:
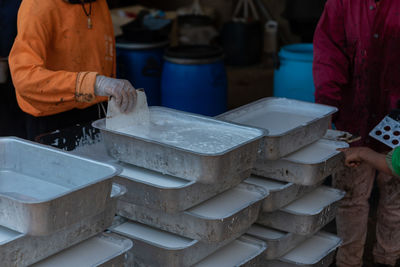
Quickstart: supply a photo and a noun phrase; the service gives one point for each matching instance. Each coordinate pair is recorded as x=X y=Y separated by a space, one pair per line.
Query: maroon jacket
x=357 y=62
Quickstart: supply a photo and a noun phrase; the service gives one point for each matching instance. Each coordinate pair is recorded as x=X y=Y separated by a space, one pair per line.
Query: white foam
x=314 y=202
x=266 y=183
x=7 y=234
x=312 y=250
x=28 y=188
x=233 y=254
x=152 y=235
x=227 y=203
x=87 y=253
x=152 y=177
x=317 y=152
x=265 y=232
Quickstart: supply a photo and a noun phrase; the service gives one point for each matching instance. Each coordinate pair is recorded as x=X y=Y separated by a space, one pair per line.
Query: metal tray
x=105 y=250
x=213 y=221
x=280 y=193
x=156 y=190
x=167 y=193
x=44 y=189
x=278 y=243
x=244 y=251
x=291 y=124
x=22 y=250
x=154 y=247
x=307 y=166
x=317 y=251
x=204 y=167
x=306 y=215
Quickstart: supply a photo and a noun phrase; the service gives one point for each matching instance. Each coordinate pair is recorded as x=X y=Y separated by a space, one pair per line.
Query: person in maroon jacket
x=357 y=69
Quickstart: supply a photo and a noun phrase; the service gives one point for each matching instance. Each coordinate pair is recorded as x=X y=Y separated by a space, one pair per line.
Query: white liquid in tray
x=227 y=203
x=194 y=135
x=87 y=253
x=155 y=236
x=317 y=152
x=312 y=250
x=232 y=254
x=28 y=188
x=265 y=233
x=7 y=234
x=267 y=184
x=314 y=202
x=276 y=122
x=151 y=177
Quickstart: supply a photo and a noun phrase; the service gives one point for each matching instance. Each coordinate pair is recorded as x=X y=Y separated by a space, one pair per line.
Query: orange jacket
x=56 y=57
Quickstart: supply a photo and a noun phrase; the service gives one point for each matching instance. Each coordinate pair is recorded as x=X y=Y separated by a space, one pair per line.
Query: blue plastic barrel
x=141 y=64
x=194 y=80
x=293 y=77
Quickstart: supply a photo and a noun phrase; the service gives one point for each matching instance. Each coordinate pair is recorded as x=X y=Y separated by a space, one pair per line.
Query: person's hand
x=354 y=155
x=122 y=90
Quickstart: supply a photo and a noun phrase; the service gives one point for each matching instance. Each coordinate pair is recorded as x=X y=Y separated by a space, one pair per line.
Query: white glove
x=122 y=90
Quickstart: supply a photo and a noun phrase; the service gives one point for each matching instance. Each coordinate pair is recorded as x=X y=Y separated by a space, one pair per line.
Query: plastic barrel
x=293 y=77
x=194 y=80
x=141 y=64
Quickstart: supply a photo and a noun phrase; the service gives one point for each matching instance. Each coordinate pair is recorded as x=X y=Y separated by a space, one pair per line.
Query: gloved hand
x=122 y=90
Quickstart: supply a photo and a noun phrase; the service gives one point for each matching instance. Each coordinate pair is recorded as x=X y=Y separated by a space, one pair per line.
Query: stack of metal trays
x=105 y=250
x=154 y=247
x=307 y=166
x=214 y=220
x=42 y=187
x=278 y=242
x=244 y=251
x=185 y=145
x=306 y=215
x=22 y=250
x=280 y=193
x=291 y=124
x=316 y=251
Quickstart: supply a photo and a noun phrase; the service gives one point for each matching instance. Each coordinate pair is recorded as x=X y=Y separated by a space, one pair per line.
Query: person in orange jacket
x=63 y=63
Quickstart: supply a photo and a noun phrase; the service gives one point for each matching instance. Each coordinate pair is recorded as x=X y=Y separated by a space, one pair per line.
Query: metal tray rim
x=112 y=229
x=99 y=124
x=261 y=197
x=116 y=171
x=339 y=197
x=333 y=110
x=127 y=243
x=333 y=248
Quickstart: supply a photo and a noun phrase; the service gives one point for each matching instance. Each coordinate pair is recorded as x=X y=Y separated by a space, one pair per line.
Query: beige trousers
x=352 y=216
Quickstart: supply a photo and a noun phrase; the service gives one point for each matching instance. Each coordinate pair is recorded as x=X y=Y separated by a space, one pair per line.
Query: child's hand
x=353 y=156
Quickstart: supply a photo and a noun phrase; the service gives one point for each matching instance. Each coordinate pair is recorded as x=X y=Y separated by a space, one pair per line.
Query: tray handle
x=117 y=191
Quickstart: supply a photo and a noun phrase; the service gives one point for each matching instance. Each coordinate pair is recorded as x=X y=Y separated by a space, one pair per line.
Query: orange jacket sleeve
x=41 y=91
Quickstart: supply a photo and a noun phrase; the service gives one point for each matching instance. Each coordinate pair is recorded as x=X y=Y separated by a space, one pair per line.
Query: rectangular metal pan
x=244 y=251
x=306 y=215
x=44 y=189
x=291 y=124
x=213 y=221
x=280 y=193
x=105 y=250
x=307 y=166
x=156 y=190
x=278 y=242
x=236 y=158
x=167 y=193
x=154 y=247
x=22 y=250
x=317 y=251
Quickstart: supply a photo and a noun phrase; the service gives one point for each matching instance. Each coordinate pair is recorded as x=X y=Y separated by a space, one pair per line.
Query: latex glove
x=122 y=90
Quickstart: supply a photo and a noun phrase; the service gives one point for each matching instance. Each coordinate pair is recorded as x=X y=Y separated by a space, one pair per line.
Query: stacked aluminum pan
x=293 y=162
x=50 y=200
x=183 y=205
